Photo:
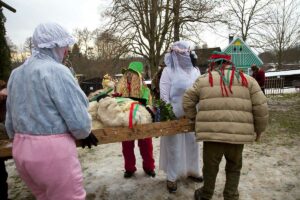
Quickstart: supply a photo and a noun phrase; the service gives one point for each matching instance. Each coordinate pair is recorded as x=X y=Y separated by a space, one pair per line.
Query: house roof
x=241 y=54
x=204 y=54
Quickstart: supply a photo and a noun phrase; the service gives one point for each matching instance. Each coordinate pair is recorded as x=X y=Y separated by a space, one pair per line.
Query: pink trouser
x=49 y=166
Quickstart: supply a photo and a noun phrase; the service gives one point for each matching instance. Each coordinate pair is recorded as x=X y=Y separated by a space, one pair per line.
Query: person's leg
x=3 y=179
x=174 y=156
x=212 y=156
x=192 y=154
x=169 y=160
x=146 y=150
x=49 y=166
x=19 y=156
x=129 y=157
x=68 y=178
x=233 y=155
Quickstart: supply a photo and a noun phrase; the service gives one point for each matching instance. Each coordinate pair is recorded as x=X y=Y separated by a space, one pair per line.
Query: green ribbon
x=122 y=99
x=145 y=93
x=101 y=94
x=135 y=110
x=228 y=76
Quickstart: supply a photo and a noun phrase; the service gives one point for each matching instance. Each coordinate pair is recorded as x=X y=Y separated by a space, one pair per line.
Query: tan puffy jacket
x=234 y=119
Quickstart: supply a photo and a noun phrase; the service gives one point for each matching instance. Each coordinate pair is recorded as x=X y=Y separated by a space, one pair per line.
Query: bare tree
x=145 y=24
x=84 y=38
x=13 y=48
x=108 y=46
x=281 y=29
x=187 y=13
x=244 y=16
x=28 y=45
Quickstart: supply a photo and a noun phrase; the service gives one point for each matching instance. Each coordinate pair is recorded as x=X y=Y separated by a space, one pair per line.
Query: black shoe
x=172 y=186
x=151 y=173
x=128 y=174
x=197 y=195
x=198 y=179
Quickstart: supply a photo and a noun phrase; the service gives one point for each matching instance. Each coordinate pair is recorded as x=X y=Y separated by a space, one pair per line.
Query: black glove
x=151 y=113
x=98 y=98
x=89 y=141
x=140 y=100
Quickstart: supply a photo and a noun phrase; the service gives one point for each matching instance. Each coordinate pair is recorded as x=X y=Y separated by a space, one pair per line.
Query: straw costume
x=131 y=85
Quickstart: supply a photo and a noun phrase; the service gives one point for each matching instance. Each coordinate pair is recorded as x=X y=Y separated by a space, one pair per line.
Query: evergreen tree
x=5 y=58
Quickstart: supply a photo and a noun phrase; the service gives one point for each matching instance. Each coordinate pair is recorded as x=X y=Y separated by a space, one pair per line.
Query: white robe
x=180 y=153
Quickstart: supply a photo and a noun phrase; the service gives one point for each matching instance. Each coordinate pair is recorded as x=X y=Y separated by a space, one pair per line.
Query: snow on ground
x=270 y=171
x=271 y=168
x=273 y=91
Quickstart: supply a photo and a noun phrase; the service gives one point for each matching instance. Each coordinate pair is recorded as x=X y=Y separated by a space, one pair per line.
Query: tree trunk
x=279 y=59
x=176 y=7
x=153 y=61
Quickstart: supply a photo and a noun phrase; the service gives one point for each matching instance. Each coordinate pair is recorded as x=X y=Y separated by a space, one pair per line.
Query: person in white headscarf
x=46 y=112
x=179 y=154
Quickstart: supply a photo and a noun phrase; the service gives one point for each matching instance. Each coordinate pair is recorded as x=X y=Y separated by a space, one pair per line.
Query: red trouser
x=146 y=150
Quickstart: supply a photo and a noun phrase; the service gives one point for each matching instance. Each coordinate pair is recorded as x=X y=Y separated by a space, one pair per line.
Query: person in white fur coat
x=179 y=154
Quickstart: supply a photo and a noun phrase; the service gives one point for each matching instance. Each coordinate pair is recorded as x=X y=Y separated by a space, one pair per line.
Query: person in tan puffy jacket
x=230 y=110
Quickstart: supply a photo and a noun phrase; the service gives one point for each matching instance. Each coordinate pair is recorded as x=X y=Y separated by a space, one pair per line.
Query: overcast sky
x=70 y=14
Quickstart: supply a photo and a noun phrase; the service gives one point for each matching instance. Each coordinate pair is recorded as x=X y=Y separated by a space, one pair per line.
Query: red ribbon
x=131 y=113
x=231 y=78
x=216 y=56
x=129 y=87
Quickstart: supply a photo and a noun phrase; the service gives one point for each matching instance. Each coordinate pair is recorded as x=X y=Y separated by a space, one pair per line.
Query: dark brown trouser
x=3 y=179
x=212 y=156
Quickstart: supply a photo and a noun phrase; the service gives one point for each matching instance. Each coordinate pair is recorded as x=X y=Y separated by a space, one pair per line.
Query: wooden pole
x=7 y=6
x=119 y=134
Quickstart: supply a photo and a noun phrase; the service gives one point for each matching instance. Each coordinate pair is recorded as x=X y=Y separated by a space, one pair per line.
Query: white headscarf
x=51 y=39
x=179 y=57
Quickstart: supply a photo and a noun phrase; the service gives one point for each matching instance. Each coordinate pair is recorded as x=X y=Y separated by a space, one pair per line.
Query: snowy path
x=270 y=171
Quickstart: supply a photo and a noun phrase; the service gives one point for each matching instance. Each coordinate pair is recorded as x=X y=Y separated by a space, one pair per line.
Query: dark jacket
x=259 y=76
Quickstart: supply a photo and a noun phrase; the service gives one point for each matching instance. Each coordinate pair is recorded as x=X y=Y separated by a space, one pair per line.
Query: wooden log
x=119 y=134
x=5 y=149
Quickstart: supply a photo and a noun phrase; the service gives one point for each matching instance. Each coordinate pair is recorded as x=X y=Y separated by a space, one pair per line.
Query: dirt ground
x=271 y=168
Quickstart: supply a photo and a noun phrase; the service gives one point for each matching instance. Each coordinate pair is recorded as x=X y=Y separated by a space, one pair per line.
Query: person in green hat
x=131 y=85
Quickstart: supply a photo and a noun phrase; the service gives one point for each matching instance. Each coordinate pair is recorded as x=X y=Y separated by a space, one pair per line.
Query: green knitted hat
x=136 y=66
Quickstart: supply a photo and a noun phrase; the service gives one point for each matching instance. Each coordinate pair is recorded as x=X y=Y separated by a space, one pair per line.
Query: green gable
x=241 y=55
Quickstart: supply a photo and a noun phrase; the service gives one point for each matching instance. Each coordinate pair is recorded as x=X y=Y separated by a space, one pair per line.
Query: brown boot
x=197 y=195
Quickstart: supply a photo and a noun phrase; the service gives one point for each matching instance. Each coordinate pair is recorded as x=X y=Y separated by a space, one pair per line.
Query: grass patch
x=289 y=121
x=284 y=124
x=282 y=97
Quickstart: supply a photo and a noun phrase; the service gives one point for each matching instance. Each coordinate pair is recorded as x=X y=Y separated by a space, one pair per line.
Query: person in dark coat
x=259 y=75
x=3 y=172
